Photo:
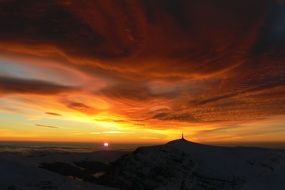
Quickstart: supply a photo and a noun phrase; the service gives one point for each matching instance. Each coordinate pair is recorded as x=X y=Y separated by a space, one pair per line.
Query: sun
x=106 y=144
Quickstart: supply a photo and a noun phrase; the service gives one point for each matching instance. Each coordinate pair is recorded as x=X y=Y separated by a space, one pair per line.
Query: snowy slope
x=20 y=171
x=181 y=164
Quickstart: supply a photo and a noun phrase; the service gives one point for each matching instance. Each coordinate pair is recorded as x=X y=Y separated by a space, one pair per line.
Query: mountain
x=181 y=164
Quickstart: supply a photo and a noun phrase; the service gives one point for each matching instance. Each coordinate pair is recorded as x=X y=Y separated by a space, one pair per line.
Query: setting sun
x=106 y=144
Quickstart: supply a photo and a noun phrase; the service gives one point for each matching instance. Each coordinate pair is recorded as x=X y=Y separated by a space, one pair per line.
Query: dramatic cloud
x=253 y=90
x=81 y=107
x=136 y=91
x=9 y=85
x=206 y=37
x=175 y=116
x=146 y=63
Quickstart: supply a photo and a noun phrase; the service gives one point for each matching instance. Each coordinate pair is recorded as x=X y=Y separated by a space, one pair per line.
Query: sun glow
x=106 y=144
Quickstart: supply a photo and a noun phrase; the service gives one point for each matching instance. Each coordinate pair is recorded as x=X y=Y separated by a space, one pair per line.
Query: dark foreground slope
x=181 y=164
x=53 y=170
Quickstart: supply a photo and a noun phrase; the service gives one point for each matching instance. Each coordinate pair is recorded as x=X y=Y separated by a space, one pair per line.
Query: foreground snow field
x=20 y=171
x=179 y=164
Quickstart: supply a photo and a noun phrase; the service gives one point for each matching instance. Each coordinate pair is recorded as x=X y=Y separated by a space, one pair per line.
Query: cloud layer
x=9 y=85
x=153 y=62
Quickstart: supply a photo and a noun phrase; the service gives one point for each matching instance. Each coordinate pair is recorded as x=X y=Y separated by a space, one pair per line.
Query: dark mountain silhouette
x=181 y=164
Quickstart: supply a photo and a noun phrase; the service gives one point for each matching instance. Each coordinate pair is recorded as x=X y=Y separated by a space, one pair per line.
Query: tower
x=182 y=136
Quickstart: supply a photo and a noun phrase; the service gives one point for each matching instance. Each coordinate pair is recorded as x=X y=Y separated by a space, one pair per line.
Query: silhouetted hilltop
x=181 y=164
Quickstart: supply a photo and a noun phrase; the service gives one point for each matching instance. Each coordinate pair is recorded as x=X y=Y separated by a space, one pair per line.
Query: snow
x=179 y=164
x=196 y=166
x=240 y=161
x=20 y=171
x=271 y=181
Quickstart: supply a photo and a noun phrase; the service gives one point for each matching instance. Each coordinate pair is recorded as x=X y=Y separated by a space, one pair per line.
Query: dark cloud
x=47 y=126
x=53 y=113
x=46 y=23
x=127 y=91
x=204 y=37
x=137 y=91
x=10 y=85
x=259 y=88
x=272 y=39
x=81 y=107
x=172 y=116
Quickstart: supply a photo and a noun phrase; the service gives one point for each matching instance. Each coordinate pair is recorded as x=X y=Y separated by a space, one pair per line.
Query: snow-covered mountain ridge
x=181 y=164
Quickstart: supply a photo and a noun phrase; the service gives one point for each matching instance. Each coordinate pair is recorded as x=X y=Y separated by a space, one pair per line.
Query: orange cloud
x=144 y=65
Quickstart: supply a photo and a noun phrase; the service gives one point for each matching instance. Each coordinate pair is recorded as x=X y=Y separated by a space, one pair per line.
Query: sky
x=142 y=71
